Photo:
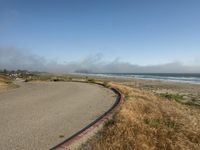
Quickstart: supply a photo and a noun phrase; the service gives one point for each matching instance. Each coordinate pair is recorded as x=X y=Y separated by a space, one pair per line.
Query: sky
x=99 y=35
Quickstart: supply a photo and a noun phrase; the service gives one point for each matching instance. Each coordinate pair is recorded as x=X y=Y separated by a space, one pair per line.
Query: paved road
x=40 y=115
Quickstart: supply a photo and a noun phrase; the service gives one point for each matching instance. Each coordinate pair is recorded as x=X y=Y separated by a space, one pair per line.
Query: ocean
x=193 y=78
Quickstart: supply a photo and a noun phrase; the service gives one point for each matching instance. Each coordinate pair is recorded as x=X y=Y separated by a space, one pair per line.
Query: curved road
x=40 y=115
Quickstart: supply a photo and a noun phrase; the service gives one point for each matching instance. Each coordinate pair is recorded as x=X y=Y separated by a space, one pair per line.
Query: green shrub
x=91 y=80
x=70 y=79
x=176 y=97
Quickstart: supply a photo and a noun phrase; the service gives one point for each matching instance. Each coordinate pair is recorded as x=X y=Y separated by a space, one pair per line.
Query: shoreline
x=154 y=77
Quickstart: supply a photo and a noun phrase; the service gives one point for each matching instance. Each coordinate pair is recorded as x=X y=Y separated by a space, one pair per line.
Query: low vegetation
x=181 y=99
x=169 y=96
x=5 y=79
x=53 y=78
x=90 y=80
x=106 y=84
x=184 y=93
x=6 y=82
x=146 y=121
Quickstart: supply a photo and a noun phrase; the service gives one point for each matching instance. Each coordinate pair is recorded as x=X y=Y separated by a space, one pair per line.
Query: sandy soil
x=40 y=115
x=188 y=93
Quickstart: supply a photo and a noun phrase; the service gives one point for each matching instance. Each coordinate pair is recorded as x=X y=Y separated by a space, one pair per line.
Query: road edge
x=93 y=125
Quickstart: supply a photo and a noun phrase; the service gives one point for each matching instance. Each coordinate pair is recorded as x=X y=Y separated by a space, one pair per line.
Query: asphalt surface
x=40 y=115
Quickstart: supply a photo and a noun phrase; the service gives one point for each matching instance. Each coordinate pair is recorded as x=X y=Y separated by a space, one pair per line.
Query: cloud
x=13 y=58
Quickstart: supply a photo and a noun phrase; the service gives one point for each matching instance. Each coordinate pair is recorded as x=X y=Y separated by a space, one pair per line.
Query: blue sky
x=143 y=32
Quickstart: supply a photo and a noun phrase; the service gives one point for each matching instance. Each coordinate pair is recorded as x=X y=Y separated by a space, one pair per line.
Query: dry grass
x=4 y=78
x=3 y=81
x=6 y=83
x=148 y=122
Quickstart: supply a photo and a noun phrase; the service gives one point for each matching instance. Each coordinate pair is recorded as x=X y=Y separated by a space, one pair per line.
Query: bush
x=91 y=80
x=106 y=84
x=176 y=97
x=70 y=79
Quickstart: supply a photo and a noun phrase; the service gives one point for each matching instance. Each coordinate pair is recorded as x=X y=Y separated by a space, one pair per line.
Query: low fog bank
x=12 y=59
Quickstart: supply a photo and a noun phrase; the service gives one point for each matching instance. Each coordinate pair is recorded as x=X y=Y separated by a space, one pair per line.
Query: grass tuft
x=169 y=96
x=91 y=80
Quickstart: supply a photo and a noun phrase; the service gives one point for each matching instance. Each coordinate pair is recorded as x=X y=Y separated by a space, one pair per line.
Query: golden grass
x=6 y=83
x=4 y=78
x=148 y=122
x=3 y=81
